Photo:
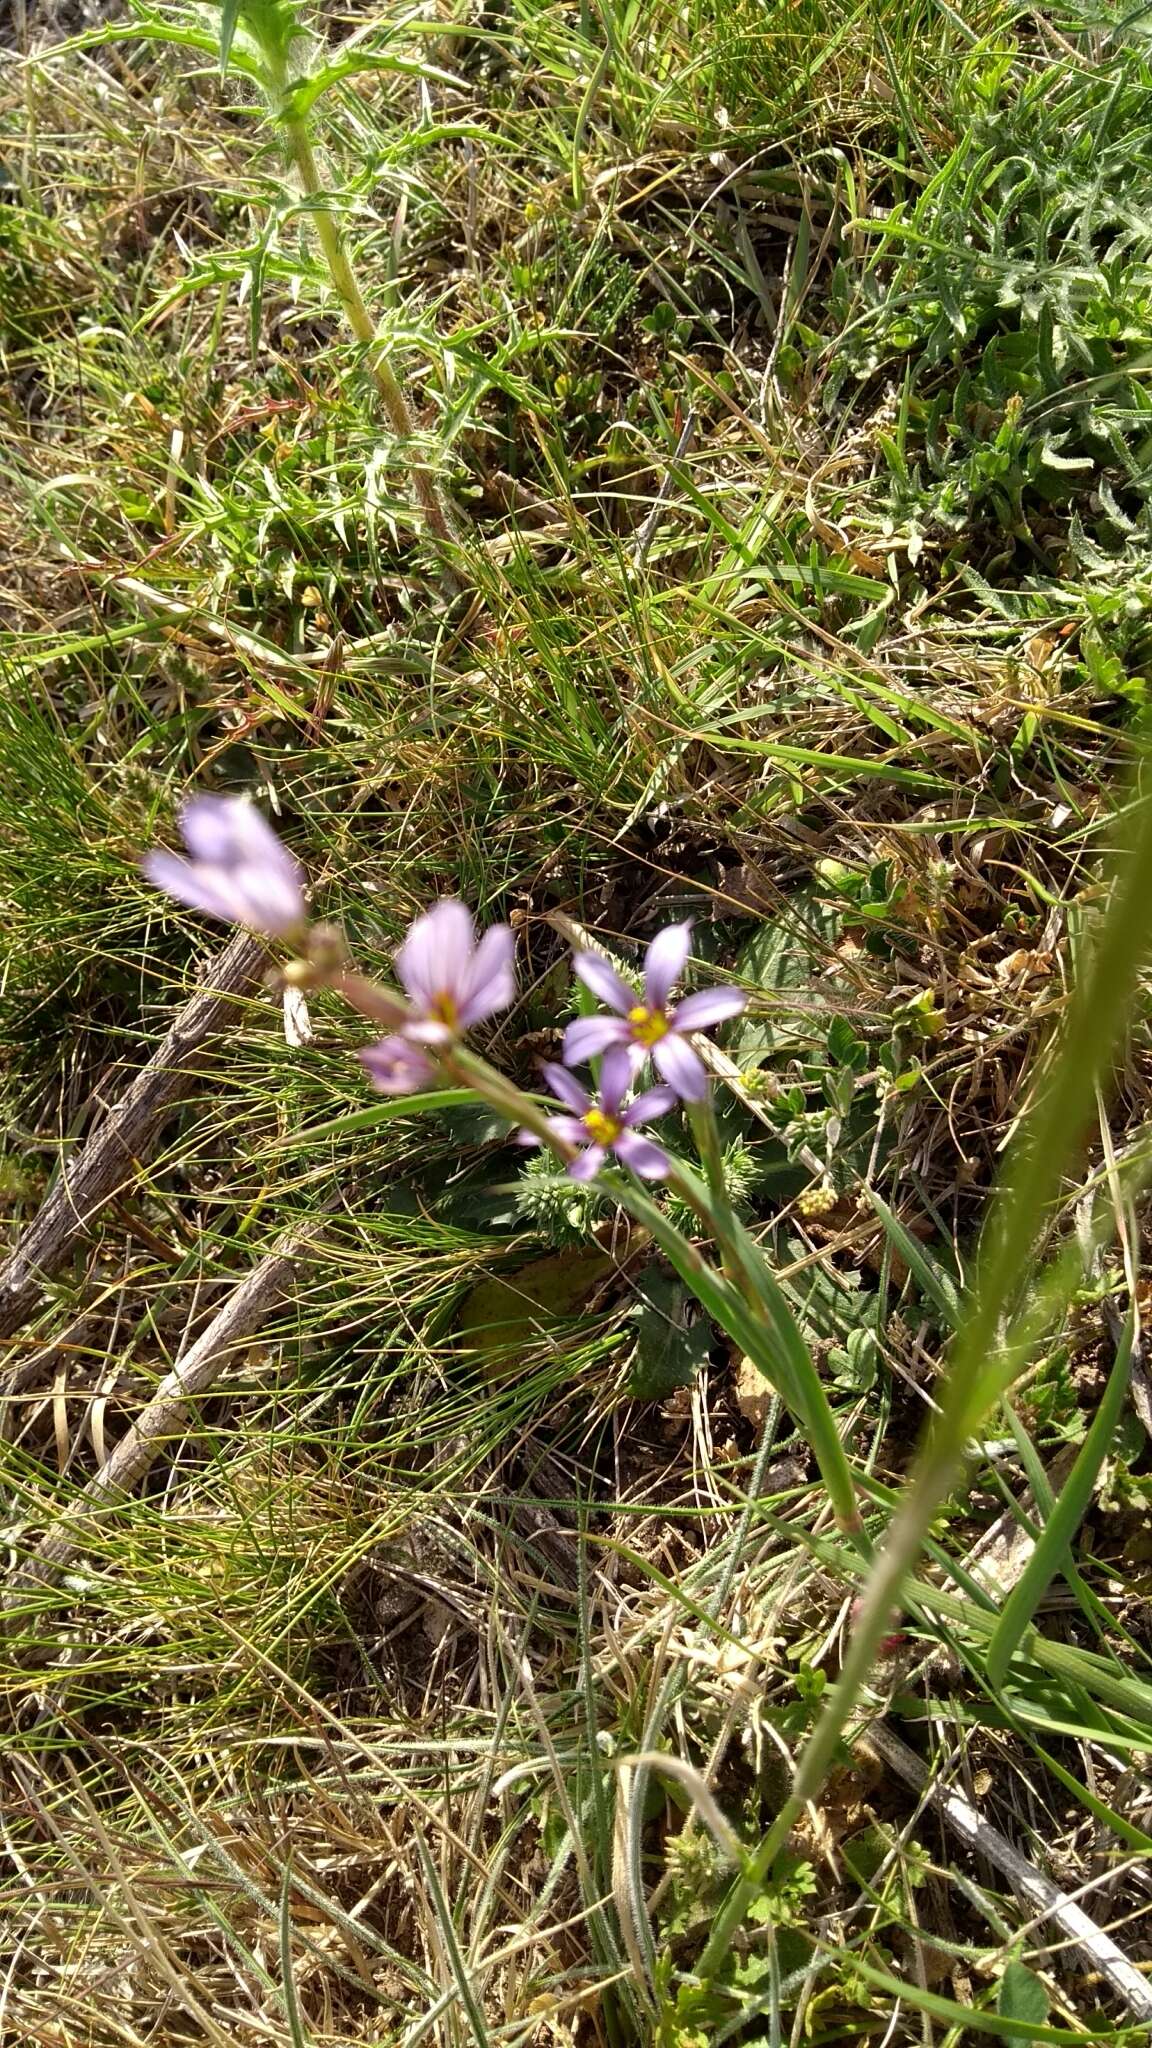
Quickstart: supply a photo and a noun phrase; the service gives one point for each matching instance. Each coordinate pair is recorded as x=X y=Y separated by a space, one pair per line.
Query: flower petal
x=665 y=961
x=395 y=1067
x=229 y=832
x=491 y=976
x=604 y=982
x=708 y=1006
x=569 y=1129
x=226 y=829
x=654 y=1102
x=275 y=903
x=239 y=872
x=587 y=1165
x=641 y=1155
x=620 y=1063
x=204 y=888
x=586 y=1037
x=436 y=957
x=566 y=1087
x=428 y=1031
x=681 y=1068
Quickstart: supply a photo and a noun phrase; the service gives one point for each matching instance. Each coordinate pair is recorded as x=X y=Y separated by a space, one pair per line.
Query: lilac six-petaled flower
x=238 y=869
x=397 y=1067
x=598 y=1128
x=645 y=1024
x=452 y=982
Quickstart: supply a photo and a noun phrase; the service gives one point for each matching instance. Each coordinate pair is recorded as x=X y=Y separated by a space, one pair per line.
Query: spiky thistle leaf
x=274 y=33
x=228 y=17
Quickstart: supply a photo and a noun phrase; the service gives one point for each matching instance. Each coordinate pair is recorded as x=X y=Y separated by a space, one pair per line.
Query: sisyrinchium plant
x=450 y=980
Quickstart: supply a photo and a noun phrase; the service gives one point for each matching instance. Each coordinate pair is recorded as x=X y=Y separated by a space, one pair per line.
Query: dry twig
x=1096 y=1948
x=166 y=1414
x=123 y=1137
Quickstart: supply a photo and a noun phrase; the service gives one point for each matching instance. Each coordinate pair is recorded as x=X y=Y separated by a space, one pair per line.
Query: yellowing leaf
x=506 y=1314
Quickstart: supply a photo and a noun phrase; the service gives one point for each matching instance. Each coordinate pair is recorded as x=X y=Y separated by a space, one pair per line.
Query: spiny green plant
x=1012 y=293
x=269 y=43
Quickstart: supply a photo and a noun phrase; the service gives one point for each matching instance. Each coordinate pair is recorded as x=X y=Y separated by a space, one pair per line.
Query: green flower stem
x=705 y=1130
x=749 y=1313
x=751 y=1309
x=745 y=1299
x=299 y=145
x=789 y=1365
x=746 y=1267
x=467 y=1069
x=983 y=1363
x=702 y=1118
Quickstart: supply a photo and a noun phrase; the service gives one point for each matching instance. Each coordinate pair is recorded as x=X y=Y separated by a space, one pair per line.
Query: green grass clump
x=786 y=367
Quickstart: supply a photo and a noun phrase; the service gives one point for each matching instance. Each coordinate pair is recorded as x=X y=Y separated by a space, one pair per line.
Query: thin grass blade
x=1068 y=1512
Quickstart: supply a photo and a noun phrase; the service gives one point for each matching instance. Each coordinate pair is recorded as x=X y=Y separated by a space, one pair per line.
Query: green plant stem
x=745 y=1266
x=752 y=1324
x=299 y=144
x=750 y=1309
x=794 y=1374
x=702 y=1119
x=1063 y=1520
x=983 y=1362
x=465 y=1067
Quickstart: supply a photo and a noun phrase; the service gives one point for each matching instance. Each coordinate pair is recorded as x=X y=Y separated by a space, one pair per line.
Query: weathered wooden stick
x=107 y=1161
x=1096 y=1948
x=166 y=1414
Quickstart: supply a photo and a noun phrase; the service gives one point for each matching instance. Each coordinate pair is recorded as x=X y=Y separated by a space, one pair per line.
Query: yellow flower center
x=445 y=1012
x=603 y=1130
x=648 y=1026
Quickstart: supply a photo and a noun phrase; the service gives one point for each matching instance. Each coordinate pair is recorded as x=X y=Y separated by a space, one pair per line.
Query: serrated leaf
x=305 y=92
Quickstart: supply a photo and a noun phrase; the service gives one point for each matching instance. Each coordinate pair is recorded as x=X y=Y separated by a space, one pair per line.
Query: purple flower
x=396 y=1067
x=238 y=871
x=451 y=981
x=606 y=1126
x=647 y=1025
